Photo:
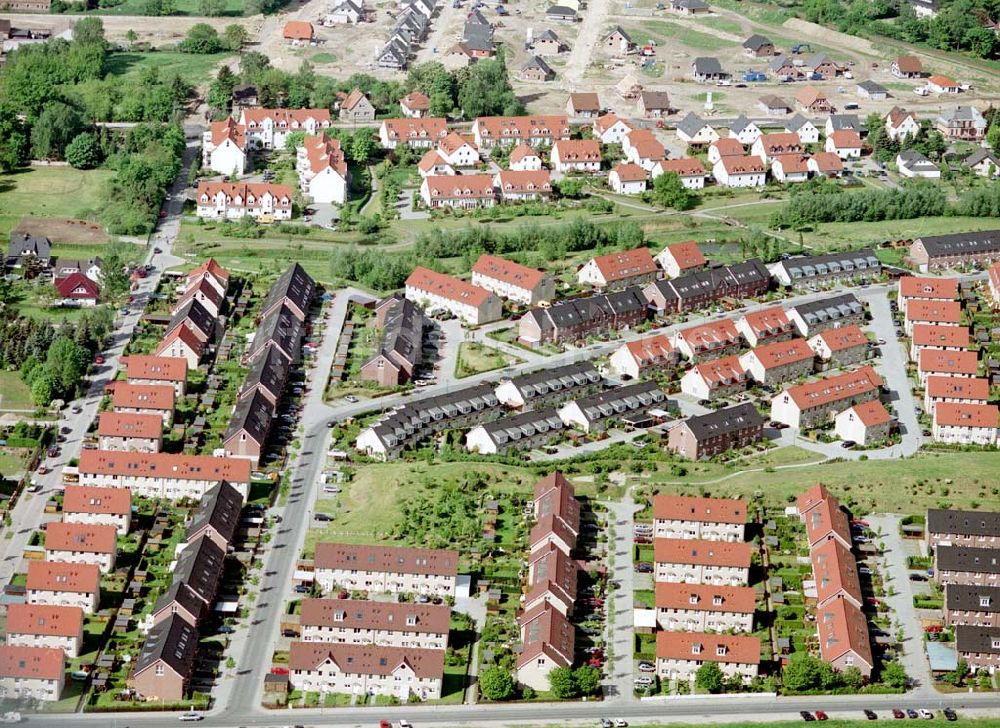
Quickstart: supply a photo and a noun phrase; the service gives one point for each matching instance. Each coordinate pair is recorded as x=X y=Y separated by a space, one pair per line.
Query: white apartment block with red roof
x=576 y=155
x=268 y=128
x=959 y=390
x=925 y=288
x=41 y=625
x=715 y=378
x=223 y=148
x=31 y=673
x=679 y=655
x=618 y=270
x=465 y=191
x=704 y=607
x=524 y=159
x=514 y=186
x=680 y=258
x=965 y=424
x=689 y=169
x=322 y=169
x=741 y=171
x=458 y=151
x=236 y=200
x=163 y=475
x=93 y=505
x=472 y=304
x=419 y=133
x=634 y=357
x=386 y=569
x=947 y=363
x=944 y=338
x=700 y=561
x=62 y=584
x=712 y=519
x=391 y=624
x=938 y=313
x=512 y=281
x=163 y=370
x=130 y=432
x=535 y=131
x=81 y=543
x=366 y=670
x=814 y=403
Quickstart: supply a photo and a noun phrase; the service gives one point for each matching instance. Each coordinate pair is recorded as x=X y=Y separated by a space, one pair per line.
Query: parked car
x=621 y=723
x=301 y=589
x=918 y=577
x=34 y=488
x=820 y=715
x=644 y=567
x=950 y=715
x=926 y=714
x=807 y=716
x=644 y=681
x=190 y=716
x=897 y=713
x=647 y=667
x=870 y=714
x=350 y=398
x=911 y=713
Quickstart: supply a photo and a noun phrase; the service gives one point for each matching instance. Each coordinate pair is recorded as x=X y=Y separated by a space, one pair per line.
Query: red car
x=163 y=214
x=820 y=715
x=98 y=359
x=279 y=670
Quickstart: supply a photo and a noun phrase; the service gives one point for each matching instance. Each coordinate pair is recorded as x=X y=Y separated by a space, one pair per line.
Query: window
x=696 y=648
x=159 y=670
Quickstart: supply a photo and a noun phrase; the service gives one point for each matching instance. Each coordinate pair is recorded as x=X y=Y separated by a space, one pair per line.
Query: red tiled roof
x=835 y=388
x=508 y=271
x=846 y=139
x=942 y=312
x=808 y=95
x=827 y=162
x=186 y=336
x=626 y=264
x=453 y=142
x=782 y=353
x=68 y=286
x=909 y=64
x=783 y=142
x=843 y=628
x=228 y=129
x=44 y=620
x=245 y=194
x=945 y=387
x=742 y=165
x=768 y=321
x=367 y=614
x=386 y=559
x=86 y=537
x=527 y=180
x=827 y=520
x=701 y=552
x=166 y=368
x=523 y=127
x=792 y=163
x=282 y=117
x=416 y=101
x=722 y=371
x=577 y=150
x=31 y=663
x=298 y=30
x=424 y=279
x=605 y=122
x=942 y=81
x=129 y=424
x=426 y=127
x=686 y=255
x=521 y=151
x=956 y=414
x=143 y=396
x=165 y=465
x=696 y=508
x=364 y=659
x=545 y=631
x=60 y=577
x=683 y=167
x=430 y=160
x=650 y=348
x=937 y=336
x=705 y=647
x=210 y=266
x=585 y=102
x=813 y=497
x=460 y=187
x=324 y=152
x=926 y=287
x=834 y=569
x=705 y=597
x=948 y=362
x=628 y=172
x=897 y=116
x=203 y=287
x=646 y=144
x=722 y=331
x=729 y=147
x=873 y=413
x=92 y=499
x=844 y=337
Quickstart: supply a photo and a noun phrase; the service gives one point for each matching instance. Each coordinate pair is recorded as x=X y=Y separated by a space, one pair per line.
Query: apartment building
x=924 y=288
x=616 y=271
x=130 y=432
x=91 y=505
x=593 y=413
x=158 y=370
x=388 y=624
x=813 y=403
x=939 y=338
x=166 y=660
x=575 y=319
x=549 y=387
x=679 y=655
x=81 y=543
x=576 y=155
x=548 y=641
x=535 y=131
x=512 y=281
x=680 y=258
x=976 y=529
x=524 y=431
x=713 y=433
x=715 y=378
x=965 y=424
x=866 y=423
x=967 y=565
x=163 y=475
x=144 y=399
x=268 y=128
x=936 y=313
x=43 y=625
x=649 y=353
x=812 y=317
x=472 y=304
x=978 y=606
x=237 y=200
x=458 y=191
x=699 y=561
x=182 y=342
x=391 y=569
x=223 y=148
x=362 y=669
x=322 y=169
x=957 y=390
x=418 y=133
x=955 y=249
x=714 y=339
x=844 y=640
x=944 y=363
x=31 y=673
x=778 y=362
x=64 y=584
x=695 y=517
x=840 y=347
x=765 y=325
x=704 y=607
x=802 y=271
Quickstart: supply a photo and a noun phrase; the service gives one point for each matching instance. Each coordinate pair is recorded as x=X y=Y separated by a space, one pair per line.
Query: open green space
x=194 y=68
x=14 y=393
x=58 y=192
x=938 y=722
x=233 y=8
x=477 y=358
x=12 y=462
x=727 y=26
x=662 y=30
x=844 y=235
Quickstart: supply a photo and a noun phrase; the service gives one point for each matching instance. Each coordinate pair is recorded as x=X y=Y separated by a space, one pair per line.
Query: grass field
x=11 y=463
x=476 y=358
x=234 y=8
x=14 y=393
x=662 y=30
x=835 y=236
x=49 y=192
x=192 y=67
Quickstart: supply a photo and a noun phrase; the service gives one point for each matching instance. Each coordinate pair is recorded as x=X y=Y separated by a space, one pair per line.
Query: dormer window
x=720 y=650
x=717 y=601
x=696 y=648
x=985 y=601
x=693 y=599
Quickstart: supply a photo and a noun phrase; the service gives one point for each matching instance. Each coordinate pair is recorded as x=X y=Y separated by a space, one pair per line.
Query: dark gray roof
x=964 y=598
x=774 y=102
x=577 y=311
x=829 y=309
x=547 y=35
x=184 y=596
x=199 y=316
x=707 y=66
x=244 y=92
x=478 y=37
x=720 y=280
x=873 y=88
x=982 y=640
x=916 y=161
x=174 y=641
x=544 y=381
x=778 y=61
x=401 y=423
x=269 y=372
x=283 y=328
x=979 y=155
x=539 y=63
x=404 y=331
x=724 y=421
x=797 y=122
x=970 y=243
x=749 y=272
x=219 y=509
x=963 y=558
x=526 y=424
x=294 y=284
x=755 y=41
x=25 y=244
x=561 y=11
x=630 y=398
x=740 y=123
x=690 y=4
x=691 y=124
x=841 y=122
x=476 y=17
x=619 y=29
x=200 y=567
x=963 y=523
x=809 y=266
x=253 y=414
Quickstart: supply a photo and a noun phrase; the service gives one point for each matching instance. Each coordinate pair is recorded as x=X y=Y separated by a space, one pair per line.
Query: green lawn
x=663 y=30
x=477 y=358
x=838 y=236
x=61 y=192
x=14 y=393
x=192 y=67
x=11 y=464
x=234 y=8
x=726 y=26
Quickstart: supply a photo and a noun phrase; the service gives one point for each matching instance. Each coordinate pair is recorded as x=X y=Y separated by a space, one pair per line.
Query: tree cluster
x=568 y=683
x=863 y=206
x=805 y=672
x=204 y=38
x=669 y=191
x=928 y=141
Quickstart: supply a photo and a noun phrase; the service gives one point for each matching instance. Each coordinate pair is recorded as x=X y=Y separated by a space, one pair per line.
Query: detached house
x=643 y=148
x=962 y=123
x=415 y=105
x=689 y=169
x=900 y=123
x=223 y=147
x=769 y=146
x=102 y=506
x=654 y=104
x=583 y=106
x=907 y=67
x=812 y=100
x=866 y=423
x=608 y=129
x=740 y=172
x=805 y=130
x=627 y=179
x=694 y=131
x=355 y=107
x=744 y=130
x=757 y=46
x=845 y=143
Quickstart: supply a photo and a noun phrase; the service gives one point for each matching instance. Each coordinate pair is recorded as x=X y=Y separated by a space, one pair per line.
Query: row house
x=166 y=660
x=690 y=170
x=415 y=421
x=490 y=131
x=388 y=569
x=779 y=361
x=649 y=353
x=82 y=543
x=699 y=289
x=713 y=433
x=812 y=270
x=552 y=579
x=765 y=325
x=979 y=529
x=696 y=517
x=322 y=169
x=979 y=647
x=224 y=148
x=713 y=339
x=958 y=564
x=845 y=143
x=163 y=475
x=548 y=387
x=38 y=625
x=130 y=432
x=249 y=426
x=31 y=673
x=64 y=584
x=524 y=431
x=698 y=561
x=791 y=168
x=978 y=606
x=965 y=424
x=704 y=607
x=472 y=304
x=955 y=249
x=835 y=572
x=679 y=655
x=194 y=584
x=715 y=378
x=217 y=516
x=924 y=288
x=525 y=186
x=943 y=363
x=457 y=151
x=576 y=155
x=866 y=423
x=957 y=390
x=182 y=342
x=844 y=640
x=399 y=348
x=417 y=133
x=269 y=128
x=825 y=313
x=811 y=404
x=932 y=313
x=740 y=171
x=294 y=289
x=680 y=258
x=935 y=337
x=826 y=521
x=618 y=270
x=593 y=413
x=92 y=505
x=268 y=375
x=236 y=200
x=391 y=672
x=144 y=399
x=458 y=191
x=576 y=319
x=843 y=346
x=554 y=507
x=548 y=641
x=386 y=624
x=158 y=370
x=212 y=272
x=205 y=293
x=280 y=331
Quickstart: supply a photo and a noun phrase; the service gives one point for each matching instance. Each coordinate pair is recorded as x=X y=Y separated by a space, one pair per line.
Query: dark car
x=301 y=589
x=912 y=713
x=897 y=713
x=870 y=714
x=820 y=715
x=950 y=714
x=918 y=577
x=807 y=716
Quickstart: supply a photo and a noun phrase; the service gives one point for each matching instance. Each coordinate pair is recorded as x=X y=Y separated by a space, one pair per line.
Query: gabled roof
x=691 y=124
x=71 y=285
x=86 y=538
x=386 y=559
x=62 y=577
x=767 y=321
x=687 y=255
x=721 y=331
x=174 y=642
x=843 y=628
x=295 y=286
x=98 y=501
x=537 y=62
x=723 y=421
x=269 y=372
x=755 y=42
x=871 y=414
x=782 y=353
x=941 y=386
x=843 y=337
x=707 y=66
x=948 y=362
x=298 y=30
x=797 y=122
x=193 y=314
x=704 y=647
x=200 y=567
x=965 y=558
x=546 y=632
x=31 y=663
x=163 y=368
x=44 y=620
x=945 y=289
x=27 y=244
x=834 y=568
x=219 y=509
x=129 y=424
x=253 y=416
x=720 y=372
x=700 y=509
x=589 y=102
x=705 y=598
x=834 y=388
x=684 y=167
x=971 y=598
x=702 y=552
x=425 y=280
x=958 y=414
x=909 y=64
x=625 y=265
x=364 y=659
x=143 y=396
x=180 y=466
x=507 y=271
x=629 y=172
x=350 y=614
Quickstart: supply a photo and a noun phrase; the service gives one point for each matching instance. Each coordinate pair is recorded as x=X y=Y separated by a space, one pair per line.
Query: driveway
x=620 y=603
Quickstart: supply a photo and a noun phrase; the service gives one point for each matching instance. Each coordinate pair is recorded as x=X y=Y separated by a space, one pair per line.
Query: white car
x=621 y=723
x=190 y=716
x=644 y=680
x=926 y=714
x=403 y=723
